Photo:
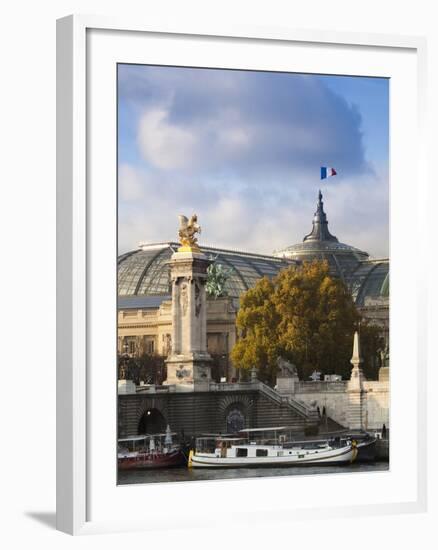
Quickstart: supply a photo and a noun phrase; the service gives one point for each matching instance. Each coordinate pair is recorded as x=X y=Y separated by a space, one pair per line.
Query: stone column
x=355 y=390
x=175 y=341
x=203 y=315
x=188 y=365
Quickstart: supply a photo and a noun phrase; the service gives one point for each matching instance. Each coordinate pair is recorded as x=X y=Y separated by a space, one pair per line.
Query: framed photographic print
x=234 y=215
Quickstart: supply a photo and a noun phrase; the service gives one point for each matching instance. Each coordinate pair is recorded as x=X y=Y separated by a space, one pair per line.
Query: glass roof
x=146 y=271
x=370 y=280
x=343 y=259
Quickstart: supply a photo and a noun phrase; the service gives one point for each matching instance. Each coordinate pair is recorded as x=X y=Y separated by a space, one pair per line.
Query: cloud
x=163 y=144
x=256 y=222
x=131 y=184
x=243 y=150
x=247 y=123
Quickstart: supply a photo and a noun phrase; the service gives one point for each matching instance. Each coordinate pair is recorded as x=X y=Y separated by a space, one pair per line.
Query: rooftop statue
x=187 y=231
x=217 y=277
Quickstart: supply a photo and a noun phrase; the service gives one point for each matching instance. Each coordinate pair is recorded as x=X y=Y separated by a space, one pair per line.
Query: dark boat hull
x=366 y=444
x=152 y=461
x=366 y=451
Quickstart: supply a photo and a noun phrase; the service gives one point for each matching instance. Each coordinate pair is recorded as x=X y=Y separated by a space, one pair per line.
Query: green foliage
x=258 y=321
x=371 y=343
x=149 y=368
x=304 y=315
x=219 y=366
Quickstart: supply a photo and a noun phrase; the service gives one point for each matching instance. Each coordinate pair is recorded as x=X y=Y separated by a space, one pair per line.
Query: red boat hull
x=145 y=461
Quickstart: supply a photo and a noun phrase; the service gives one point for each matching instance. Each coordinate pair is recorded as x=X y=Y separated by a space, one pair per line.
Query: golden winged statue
x=187 y=233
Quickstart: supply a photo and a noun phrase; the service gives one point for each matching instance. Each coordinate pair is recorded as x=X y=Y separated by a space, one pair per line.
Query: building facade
x=144 y=288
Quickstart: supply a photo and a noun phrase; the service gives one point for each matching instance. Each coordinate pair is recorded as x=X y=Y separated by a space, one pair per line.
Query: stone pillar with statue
x=384 y=364
x=125 y=386
x=287 y=377
x=189 y=363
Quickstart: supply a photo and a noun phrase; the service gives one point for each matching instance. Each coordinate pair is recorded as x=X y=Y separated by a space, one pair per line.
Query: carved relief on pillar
x=184 y=298
x=198 y=303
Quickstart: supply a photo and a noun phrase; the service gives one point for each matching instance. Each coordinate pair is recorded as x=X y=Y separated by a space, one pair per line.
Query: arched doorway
x=152 y=422
x=235 y=419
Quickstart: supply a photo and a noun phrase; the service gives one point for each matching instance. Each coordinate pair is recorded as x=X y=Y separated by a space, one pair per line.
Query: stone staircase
x=301 y=409
x=274 y=408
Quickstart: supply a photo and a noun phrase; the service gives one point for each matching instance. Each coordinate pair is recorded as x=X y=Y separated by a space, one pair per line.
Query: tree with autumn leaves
x=304 y=315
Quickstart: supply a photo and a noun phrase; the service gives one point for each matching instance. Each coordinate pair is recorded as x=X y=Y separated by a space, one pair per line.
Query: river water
x=203 y=474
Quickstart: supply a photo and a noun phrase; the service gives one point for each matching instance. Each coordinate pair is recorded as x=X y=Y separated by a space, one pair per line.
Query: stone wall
x=335 y=398
x=331 y=395
x=376 y=404
x=195 y=413
x=356 y=403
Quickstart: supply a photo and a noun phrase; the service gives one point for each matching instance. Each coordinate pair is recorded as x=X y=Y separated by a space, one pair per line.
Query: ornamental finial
x=320 y=231
x=356 y=358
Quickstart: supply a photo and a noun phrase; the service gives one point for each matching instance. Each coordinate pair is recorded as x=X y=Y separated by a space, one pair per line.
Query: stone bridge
x=225 y=408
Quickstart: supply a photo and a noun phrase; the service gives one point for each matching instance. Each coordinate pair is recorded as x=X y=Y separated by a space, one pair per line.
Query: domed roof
x=320 y=244
x=369 y=282
x=146 y=271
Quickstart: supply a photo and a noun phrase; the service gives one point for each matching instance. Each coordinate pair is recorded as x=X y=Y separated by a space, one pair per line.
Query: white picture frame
x=78 y=236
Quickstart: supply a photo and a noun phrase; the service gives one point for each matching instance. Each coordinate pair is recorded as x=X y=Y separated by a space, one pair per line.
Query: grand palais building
x=144 y=300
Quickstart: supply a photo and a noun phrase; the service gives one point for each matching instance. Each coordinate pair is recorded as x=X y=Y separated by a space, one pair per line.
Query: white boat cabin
x=238 y=447
x=147 y=443
x=268 y=446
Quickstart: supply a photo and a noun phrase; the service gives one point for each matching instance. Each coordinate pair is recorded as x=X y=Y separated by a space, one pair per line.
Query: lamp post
x=223 y=371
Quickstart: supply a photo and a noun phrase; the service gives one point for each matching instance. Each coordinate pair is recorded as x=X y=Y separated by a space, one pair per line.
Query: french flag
x=327 y=172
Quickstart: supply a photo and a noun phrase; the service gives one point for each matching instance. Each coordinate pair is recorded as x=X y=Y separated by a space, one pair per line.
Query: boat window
x=241 y=452
x=262 y=452
x=205 y=445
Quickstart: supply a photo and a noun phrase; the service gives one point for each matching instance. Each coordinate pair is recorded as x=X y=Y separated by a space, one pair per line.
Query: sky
x=243 y=150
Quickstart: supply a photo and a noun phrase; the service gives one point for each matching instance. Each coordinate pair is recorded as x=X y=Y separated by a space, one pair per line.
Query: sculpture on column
x=287 y=376
x=286 y=368
x=384 y=356
x=122 y=372
x=384 y=364
x=189 y=363
x=187 y=233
